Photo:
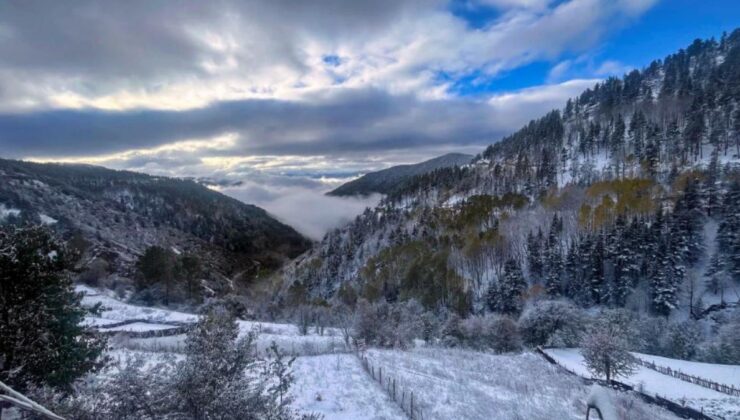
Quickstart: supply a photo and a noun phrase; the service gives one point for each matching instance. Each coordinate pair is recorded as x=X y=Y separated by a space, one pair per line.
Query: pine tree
x=507 y=296
x=43 y=339
x=553 y=258
x=534 y=255
x=728 y=233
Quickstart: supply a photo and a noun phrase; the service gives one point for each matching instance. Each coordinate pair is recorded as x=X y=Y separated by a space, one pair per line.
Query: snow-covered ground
x=447 y=383
x=139 y=326
x=724 y=374
x=337 y=387
x=286 y=336
x=332 y=383
x=460 y=384
x=655 y=383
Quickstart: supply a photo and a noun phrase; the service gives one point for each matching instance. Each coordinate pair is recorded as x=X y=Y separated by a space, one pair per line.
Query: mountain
x=117 y=215
x=386 y=180
x=627 y=196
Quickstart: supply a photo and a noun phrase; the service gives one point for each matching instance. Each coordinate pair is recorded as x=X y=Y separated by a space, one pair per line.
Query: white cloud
x=308 y=210
x=559 y=70
x=189 y=55
x=612 y=68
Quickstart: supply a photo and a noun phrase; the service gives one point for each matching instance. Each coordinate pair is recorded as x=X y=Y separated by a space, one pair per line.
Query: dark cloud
x=355 y=120
x=347 y=122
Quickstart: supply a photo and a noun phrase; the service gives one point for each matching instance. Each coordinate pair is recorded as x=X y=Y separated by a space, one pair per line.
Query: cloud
x=346 y=122
x=308 y=210
x=559 y=70
x=285 y=97
x=612 y=68
x=152 y=54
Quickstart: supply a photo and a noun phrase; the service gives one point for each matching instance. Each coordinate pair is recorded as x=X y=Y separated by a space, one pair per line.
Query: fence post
x=412 y=405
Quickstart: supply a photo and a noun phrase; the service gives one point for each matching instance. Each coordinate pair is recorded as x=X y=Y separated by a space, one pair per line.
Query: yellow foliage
x=618 y=197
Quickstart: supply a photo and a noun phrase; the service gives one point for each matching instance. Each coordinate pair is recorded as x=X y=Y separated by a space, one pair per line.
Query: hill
x=627 y=196
x=114 y=216
x=387 y=180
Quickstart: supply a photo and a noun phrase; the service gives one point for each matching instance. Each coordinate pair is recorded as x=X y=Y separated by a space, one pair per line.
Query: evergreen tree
x=507 y=296
x=728 y=233
x=553 y=258
x=43 y=339
x=534 y=256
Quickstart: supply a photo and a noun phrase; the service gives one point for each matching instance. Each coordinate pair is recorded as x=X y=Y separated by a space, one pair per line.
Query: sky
x=278 y=101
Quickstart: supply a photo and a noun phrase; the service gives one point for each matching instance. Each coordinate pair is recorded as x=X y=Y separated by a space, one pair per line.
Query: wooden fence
x=677 y=409
x=706 y=383
x=403 y=397
x=177 y=329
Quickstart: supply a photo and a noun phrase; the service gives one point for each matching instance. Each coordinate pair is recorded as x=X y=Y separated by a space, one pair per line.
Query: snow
x=286 y=336
x=116 y=310
x=5 y=212
x=655 y=383
x=724 y=374
x=337 y=387
x=329 y=380
x=461 y=384
x=600 y=398
x=140 y=326
x=47 y=220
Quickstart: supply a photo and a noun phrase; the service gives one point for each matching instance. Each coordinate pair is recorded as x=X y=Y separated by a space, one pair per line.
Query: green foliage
x=43 y=341
x=415 y=270
x=161 y=268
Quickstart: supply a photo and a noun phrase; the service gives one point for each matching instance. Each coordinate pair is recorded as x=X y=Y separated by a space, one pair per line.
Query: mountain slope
x=623 y=197
x=118 y=214
x=387 y=180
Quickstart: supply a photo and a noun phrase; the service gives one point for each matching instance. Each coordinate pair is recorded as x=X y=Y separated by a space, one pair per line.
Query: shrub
x=551 y=323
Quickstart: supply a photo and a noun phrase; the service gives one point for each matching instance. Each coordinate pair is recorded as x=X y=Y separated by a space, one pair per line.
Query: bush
x=726 y=347
x=219 y=378
x=489 y=332
x=388 y=325
x=551 y=323
x=682 y=340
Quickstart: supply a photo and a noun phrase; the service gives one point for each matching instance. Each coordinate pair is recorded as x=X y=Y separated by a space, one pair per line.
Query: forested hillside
x=629 y=196
x=113 y=217
x=393 y=178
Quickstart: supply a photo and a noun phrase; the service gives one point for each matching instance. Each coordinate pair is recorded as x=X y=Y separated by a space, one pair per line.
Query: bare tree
x=607 y=353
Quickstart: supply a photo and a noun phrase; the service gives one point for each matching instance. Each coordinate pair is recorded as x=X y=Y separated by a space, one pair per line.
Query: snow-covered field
x=460 y=384
x=447 y=383
x=655 y=383
x=286 y=336
x=724 y=374
x=337 y=387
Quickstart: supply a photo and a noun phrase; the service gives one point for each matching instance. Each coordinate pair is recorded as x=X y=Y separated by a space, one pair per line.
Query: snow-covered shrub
x=725 y=348
x=650 y=332
x=682 y=340
x=554 y=323
x=388 y=325
x=220 y=377
x=495 y=332
x=451 y=333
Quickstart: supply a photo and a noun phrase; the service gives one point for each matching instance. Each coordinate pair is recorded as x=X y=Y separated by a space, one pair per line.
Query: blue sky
x=666 y=27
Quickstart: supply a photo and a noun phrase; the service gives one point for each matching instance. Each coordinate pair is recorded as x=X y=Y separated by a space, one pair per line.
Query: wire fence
x=401 y=396
x=680 y=410
x=706 y=383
